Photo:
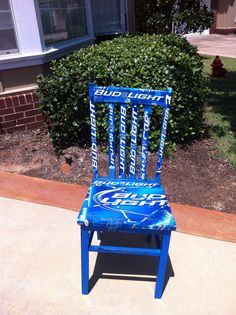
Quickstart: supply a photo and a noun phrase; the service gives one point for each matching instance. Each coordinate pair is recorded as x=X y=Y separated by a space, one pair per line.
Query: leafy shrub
x=144 y=61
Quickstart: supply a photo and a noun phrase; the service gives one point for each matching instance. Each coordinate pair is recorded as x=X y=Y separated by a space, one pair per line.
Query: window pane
x=62 y=19
x=7 y=33
x=4 y=5
x=5 y=20
x=7 y=41
x=106 y=16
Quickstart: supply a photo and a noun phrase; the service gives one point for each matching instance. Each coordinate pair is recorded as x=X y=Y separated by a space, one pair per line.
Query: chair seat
x=125 y=205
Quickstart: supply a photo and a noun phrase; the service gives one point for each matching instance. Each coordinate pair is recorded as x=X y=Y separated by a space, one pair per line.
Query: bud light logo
x=129 y=95
x=130 y=200
x=122 y=207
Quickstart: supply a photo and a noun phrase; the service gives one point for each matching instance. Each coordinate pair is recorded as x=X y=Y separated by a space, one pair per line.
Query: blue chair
x=125 y=200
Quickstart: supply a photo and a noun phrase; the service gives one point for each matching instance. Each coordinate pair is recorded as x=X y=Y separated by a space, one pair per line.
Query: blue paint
x=85 y=260
x=129 y=202
x=162 y=266
x=93 y=131
x=122 y=149
x=125 y=250
x=124 y=208
x=111 y=140
x=120 y=95
x=133 y=141
x=145 y=137
x=162 y=142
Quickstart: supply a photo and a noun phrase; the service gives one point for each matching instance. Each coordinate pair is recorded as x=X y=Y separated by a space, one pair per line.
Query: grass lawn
x=221 y=109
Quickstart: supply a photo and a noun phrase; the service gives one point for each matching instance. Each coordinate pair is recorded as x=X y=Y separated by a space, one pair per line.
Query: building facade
x=225 y=16
x=32 y=33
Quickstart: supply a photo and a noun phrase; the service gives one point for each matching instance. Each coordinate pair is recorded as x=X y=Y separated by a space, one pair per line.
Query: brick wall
x=19 y=111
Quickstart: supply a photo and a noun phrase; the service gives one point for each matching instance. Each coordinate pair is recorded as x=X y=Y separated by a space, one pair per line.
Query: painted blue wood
x=125 y=250
x=133 y=141
x=111 y=94
x=134 y=204
x=162 y=143
x=151 y=182
x=145 y=136
x=122 y=149
x=111 y=141
x=85 y=260
x=93 y=130
x=162 y=265
x=135 y=97
x=122 y=208
x=128 y=231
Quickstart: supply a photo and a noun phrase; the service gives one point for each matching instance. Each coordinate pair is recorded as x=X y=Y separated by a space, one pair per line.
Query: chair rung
x=125 y=250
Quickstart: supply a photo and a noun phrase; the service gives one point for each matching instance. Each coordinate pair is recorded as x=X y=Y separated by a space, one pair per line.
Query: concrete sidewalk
x=222 y=45
x=40 y=270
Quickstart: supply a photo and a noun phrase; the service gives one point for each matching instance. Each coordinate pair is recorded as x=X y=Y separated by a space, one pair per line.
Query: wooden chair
x=125 y=200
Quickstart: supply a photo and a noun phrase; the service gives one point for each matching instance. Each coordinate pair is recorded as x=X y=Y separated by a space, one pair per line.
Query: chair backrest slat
x=145 y=136
x=133 y=141
x=93 y=132
x=162 y=142
x=122 y=149
x=111 y=140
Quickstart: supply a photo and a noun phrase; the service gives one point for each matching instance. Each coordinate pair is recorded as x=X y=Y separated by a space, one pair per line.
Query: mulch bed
x=194 y=176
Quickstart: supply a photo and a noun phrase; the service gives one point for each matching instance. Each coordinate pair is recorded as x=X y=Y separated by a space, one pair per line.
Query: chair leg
x=162 y=265
x=85 y=260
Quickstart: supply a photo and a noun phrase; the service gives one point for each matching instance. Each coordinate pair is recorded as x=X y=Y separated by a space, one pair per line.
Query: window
x=106 y=16
x=7 y=33
x=62 y=19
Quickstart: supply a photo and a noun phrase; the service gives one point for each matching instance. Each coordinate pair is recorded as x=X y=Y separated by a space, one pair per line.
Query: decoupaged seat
x=125 y=200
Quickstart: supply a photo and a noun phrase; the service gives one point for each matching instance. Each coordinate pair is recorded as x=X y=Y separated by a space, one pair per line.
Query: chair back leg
x=85 y=260
x=162 y=265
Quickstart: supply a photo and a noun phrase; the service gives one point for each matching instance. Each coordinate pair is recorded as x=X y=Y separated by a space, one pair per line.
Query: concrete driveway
x=40 y=271
x=223 y=45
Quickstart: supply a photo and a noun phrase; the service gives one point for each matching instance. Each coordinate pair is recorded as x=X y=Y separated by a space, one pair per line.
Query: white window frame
x=31 y=48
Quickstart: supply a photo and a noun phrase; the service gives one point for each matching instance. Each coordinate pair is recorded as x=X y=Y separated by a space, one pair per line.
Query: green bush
x=144 y=61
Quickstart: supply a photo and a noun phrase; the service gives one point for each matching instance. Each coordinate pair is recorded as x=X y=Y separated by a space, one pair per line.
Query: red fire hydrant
x=217 y=68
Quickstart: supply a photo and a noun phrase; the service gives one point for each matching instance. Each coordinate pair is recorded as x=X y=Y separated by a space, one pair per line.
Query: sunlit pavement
x=40 y=270
x=214 y=44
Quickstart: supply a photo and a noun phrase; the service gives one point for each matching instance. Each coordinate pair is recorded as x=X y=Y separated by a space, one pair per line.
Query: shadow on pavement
x=127 y=267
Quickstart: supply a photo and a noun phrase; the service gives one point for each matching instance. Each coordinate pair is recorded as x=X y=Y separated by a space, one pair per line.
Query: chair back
x=135 y=98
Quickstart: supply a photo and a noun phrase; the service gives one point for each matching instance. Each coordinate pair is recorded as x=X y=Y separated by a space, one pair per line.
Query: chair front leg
x=162 y=265
x=85 y=260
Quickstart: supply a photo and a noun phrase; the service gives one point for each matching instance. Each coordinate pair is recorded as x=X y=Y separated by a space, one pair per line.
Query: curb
x=191 y=220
